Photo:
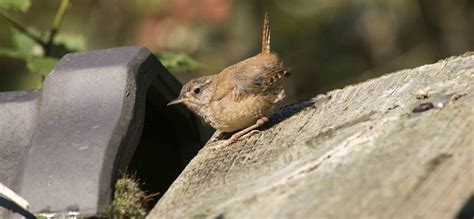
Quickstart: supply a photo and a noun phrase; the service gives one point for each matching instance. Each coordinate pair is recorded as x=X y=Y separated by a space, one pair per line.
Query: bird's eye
x=197 y=90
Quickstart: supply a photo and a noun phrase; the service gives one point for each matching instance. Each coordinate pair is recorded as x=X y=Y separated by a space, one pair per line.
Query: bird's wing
x=252 y=76
x=257 y=79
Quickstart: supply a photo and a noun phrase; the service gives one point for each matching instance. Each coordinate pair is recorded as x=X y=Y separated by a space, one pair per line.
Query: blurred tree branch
x=56 y=24
x=23 y=29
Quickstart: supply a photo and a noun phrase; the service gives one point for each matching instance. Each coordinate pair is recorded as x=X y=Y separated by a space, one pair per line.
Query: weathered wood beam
x=370 y=150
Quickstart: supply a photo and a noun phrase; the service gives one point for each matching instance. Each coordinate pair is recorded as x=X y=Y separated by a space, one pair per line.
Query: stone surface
x=357 y=152
x=63 y=147
x=18 y=119
x=87 y=108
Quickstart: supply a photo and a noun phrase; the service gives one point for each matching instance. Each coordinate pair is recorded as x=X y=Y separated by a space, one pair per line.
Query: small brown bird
x=240 y=97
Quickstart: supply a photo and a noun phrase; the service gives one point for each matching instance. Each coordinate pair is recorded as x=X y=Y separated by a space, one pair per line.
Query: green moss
x=129 y=200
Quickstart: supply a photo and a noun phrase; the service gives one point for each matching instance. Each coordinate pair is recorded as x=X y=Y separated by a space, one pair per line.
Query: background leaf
x=73 y=42
x=176 y=62
x=13 y=53
x=41 y=65
x=21 y=5
x=23 y=44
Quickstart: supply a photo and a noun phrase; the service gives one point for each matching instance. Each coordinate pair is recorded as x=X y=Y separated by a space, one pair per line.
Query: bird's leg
x=243 y=133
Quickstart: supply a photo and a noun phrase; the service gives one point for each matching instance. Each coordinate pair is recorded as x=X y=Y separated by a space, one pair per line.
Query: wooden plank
x=357 y=152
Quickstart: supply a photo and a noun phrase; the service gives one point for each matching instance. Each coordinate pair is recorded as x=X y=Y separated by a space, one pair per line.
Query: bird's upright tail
x=266 y=35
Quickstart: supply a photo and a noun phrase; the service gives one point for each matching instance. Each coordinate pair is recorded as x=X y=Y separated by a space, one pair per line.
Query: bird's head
x=195 y=94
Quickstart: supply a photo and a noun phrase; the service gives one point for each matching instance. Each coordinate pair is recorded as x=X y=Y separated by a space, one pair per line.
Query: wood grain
x=357 y=152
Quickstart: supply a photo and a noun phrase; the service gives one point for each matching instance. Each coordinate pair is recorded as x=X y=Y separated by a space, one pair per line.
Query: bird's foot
x=243 y=133
x=253 y=132
x=224 y=143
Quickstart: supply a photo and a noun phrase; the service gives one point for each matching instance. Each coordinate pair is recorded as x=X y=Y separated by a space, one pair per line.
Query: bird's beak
x=176 y=101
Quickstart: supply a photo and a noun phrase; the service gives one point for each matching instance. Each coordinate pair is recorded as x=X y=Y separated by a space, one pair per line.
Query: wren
x=242 y=96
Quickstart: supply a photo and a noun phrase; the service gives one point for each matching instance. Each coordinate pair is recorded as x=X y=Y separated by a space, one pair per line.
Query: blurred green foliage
x=28 y=46
x=21 y=5
x=327 y=44
x=177 y=62
x=32 y=54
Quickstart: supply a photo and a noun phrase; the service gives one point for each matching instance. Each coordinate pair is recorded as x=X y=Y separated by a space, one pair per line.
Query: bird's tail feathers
x=266 y=35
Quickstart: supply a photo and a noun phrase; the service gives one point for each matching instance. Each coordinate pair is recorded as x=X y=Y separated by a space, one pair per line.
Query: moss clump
x=129 y=200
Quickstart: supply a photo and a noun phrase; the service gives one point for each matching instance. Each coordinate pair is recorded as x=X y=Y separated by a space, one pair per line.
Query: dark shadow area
x=467 y=211
x=171 y=137
x=287 y=111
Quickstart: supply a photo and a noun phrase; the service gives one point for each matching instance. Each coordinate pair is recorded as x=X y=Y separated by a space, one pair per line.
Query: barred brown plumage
x=241 y=96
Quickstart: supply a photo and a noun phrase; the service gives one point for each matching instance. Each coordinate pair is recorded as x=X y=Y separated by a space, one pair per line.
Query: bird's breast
x=227 y=115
